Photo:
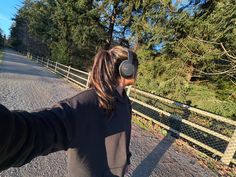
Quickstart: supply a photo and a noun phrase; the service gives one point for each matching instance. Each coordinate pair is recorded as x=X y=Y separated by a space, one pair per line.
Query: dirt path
x=25 y=85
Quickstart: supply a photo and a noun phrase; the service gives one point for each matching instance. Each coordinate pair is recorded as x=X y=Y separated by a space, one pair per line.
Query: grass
x=139 y=122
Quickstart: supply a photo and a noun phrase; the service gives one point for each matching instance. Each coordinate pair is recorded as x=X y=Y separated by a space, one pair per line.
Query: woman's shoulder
x=87 y=96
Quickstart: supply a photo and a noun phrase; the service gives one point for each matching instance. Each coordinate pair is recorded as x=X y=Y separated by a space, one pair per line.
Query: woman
x=93 y=126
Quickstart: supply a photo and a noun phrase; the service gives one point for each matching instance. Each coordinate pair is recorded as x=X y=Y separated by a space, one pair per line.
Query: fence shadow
x=151 y=161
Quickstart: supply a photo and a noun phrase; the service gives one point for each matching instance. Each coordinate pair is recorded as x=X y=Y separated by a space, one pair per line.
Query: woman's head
x=105 y=75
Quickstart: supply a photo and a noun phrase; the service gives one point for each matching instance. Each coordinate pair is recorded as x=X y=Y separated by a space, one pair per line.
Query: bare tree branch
x=232 y=82
x=227 y=51
x=213 y=74
x=210 y=42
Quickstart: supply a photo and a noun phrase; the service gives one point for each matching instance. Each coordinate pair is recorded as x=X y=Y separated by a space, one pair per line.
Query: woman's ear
x=130 y=81
x=126 y=82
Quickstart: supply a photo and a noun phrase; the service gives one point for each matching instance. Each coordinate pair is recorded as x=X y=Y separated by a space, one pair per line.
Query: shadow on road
x=150 y=162
x=146 y=167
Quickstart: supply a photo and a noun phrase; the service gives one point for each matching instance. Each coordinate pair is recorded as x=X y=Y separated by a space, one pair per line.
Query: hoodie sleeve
x=129 y=134
x=25 y=135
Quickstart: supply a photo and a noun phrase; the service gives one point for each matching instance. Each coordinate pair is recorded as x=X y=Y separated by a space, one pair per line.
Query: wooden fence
x=213 y=133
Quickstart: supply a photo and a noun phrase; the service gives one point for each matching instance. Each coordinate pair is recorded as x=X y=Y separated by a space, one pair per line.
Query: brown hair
x=105 y=74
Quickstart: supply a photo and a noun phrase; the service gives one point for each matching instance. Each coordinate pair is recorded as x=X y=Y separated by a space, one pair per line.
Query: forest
x=186 y=49
x=2 y=38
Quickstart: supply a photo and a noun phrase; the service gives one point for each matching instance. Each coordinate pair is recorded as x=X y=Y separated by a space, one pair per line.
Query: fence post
x=37 y=59
x=56 y=67
x=68 y=72
x=47 y=62
x=230 y=150
x=87 y=84
x=128 y=91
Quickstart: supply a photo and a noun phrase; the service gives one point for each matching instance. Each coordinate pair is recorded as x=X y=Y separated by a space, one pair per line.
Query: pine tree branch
x=232 y=80
x=229 y=71
x=170 y=9
x=201 y=40
x=212 y=74
x=189 y=49
x=227 y=53
x=221 y=44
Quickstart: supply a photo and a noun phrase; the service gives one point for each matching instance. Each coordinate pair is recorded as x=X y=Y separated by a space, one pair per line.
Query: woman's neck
x=120 y=89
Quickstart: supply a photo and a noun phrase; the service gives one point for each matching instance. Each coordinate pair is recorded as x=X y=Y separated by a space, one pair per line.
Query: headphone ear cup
x=126 y=69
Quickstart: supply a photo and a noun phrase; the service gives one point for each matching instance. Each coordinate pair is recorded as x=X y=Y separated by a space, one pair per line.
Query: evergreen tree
x=117 y=18
x=1 y=38
x=188 y=53
x=20 y=37
x=70 y=28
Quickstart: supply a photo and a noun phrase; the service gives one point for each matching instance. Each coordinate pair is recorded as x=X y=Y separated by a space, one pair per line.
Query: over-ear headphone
x=126 y=68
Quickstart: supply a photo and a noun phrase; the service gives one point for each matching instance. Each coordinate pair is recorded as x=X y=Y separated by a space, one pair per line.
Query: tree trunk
x=112 y=24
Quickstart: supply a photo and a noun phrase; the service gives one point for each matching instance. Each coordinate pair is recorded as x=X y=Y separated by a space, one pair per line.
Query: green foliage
x=2 y=38
x=186 y=51
x=191 y=64
x=206 y=97
x=68 y=30
x=59 y=53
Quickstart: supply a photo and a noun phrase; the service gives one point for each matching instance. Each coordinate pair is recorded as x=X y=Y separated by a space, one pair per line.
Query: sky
x=8 y=9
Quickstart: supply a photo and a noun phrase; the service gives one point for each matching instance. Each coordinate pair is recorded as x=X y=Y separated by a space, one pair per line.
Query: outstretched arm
x=25 y=135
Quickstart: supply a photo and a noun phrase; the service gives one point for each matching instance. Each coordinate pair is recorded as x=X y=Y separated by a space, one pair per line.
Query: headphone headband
x=130 y=56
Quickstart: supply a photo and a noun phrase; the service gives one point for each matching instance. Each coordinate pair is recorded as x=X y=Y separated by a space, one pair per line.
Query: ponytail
x=103 y=79
x=105 y=75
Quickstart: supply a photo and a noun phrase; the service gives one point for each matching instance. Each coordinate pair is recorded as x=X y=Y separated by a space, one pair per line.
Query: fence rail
x=213 y=133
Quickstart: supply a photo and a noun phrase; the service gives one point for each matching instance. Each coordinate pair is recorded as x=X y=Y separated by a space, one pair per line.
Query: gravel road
x=25 y=85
